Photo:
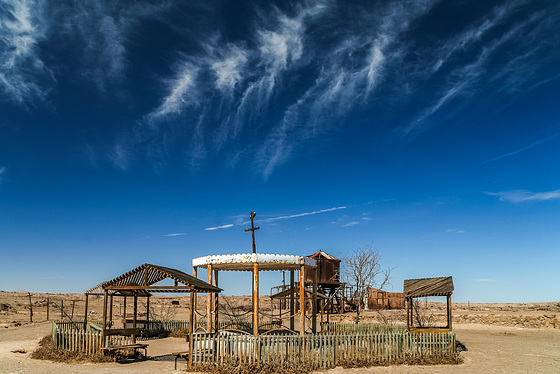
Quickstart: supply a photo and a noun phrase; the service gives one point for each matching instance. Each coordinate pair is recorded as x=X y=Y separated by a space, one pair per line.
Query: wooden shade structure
x=256 y=262
x=142 y=282
x=426 y=287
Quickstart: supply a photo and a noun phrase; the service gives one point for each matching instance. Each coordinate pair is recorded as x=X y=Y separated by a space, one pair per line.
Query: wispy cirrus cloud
x=347 y=79
x=2 y=173
x=297 y=73
x=272 y=219
x=22 y=70
x=521 y=196
x=104 y=30
x=463 y=79
x=182 y=93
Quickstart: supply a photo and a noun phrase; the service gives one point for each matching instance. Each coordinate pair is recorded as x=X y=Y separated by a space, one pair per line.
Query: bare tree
x=363 y=271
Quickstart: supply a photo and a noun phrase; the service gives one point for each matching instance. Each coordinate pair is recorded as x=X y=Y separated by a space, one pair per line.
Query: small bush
x=47 y=351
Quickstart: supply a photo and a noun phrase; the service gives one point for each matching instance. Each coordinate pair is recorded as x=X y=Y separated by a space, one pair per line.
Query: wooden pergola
x=142 y=282
x=256 y=262
x=426 y=287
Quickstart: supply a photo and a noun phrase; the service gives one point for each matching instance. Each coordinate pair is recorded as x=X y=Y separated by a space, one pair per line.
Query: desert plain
x=500 y=338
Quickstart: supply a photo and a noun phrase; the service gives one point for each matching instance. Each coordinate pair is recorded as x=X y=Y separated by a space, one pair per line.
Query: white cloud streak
x=175 y=234
x=521 y=196
x=272 y=219
x=219 y=227
x=455 y=231
x=303 y=214
x=522 y=149
x=2 y=173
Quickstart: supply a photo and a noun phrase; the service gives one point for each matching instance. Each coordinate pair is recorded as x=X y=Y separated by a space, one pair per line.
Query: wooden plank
x=255 y=299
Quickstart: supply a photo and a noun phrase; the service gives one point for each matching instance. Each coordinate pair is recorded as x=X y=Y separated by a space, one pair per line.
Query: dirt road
x=491 y=349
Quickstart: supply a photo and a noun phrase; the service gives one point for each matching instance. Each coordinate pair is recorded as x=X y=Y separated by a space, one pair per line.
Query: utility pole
x=252 y=229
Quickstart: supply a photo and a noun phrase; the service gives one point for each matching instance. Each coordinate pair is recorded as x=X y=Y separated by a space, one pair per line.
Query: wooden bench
x=113 y=350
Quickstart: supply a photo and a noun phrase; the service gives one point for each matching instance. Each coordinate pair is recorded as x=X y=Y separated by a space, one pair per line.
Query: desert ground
x=500 y=338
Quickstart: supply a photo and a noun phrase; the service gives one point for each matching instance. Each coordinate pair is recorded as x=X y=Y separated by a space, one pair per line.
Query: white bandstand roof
x=245 y=262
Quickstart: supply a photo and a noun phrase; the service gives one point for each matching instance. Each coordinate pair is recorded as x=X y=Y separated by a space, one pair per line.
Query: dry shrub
x=47 y=351
x=179 y=333
x=236 y=367
x=453 y=359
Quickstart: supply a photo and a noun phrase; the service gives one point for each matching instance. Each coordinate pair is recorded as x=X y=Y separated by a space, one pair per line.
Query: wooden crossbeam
x=148 y=288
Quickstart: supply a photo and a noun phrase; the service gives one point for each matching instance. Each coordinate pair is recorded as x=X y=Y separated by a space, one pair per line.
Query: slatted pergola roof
x=286 y=294
x=140 y=282
x=426 y=287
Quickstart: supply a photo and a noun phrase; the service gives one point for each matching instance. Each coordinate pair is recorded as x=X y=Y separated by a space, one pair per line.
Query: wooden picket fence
x=319 y=350
x=338 y=344
x=360 y=328
x=72 y=336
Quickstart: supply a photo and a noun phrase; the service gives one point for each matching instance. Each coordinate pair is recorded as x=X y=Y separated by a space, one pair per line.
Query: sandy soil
x=491 y=349
x=501 y=338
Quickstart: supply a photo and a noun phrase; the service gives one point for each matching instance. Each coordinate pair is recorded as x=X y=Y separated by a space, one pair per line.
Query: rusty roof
x=140 y=280
x=425 y=287
x=323 y=255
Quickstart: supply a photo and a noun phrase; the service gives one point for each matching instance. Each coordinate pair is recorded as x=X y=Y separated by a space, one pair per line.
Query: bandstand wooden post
x=314 y=298
x=85 y=312
x=302 y=299
x=104 y=341
x=255 y=299
x=292 y=300
x=134 y=319
x=209 y=301
x=215 y=305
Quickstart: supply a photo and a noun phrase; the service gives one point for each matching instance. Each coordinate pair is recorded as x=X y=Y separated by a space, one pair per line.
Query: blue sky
x=134 y=132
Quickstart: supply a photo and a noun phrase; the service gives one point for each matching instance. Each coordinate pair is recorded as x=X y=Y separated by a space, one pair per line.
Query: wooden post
x=72 y=314
x=314 y=307
x=195 y=300
x=85 y=312
x=209 y=302
x=104 y=339
x=255 y=299
x=215 y=307
x=148 y=311
x=302 y=300
x=48 y=302
x=192 y=320
x=134 y=318
x=322 y=306
x=30 y=308
x=449 y=316
x=408 y=312
x=61 y=309
x=191 y=325
x=124 y=308
x=111 y=310
x=292 y=300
